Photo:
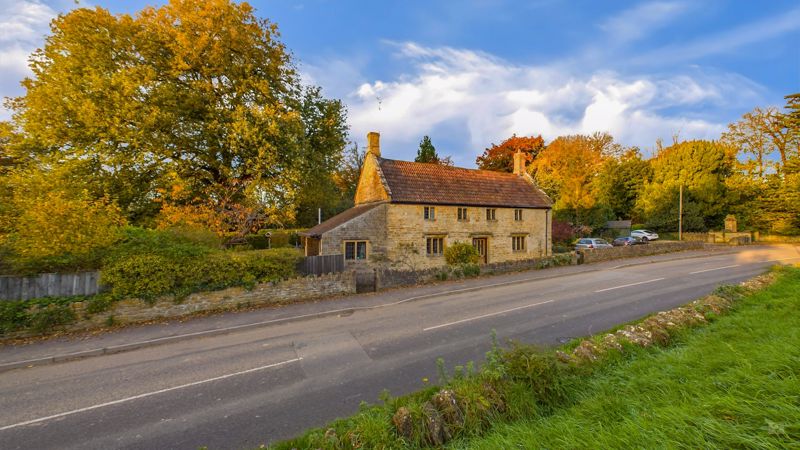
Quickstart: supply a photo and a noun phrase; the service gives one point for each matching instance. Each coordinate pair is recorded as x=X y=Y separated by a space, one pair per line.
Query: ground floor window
x=355 y=250
x=518 y=243
x=434 y=246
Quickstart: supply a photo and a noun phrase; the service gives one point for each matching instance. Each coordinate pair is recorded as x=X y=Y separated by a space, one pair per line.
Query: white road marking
x=148 y=394
x=627 y=285
x=484 y=316
x=715 y=268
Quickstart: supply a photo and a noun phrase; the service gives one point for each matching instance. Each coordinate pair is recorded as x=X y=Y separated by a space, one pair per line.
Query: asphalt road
x=257 y=386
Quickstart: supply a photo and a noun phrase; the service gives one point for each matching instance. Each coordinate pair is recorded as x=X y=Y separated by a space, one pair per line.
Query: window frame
x=462 y=214
x=429 y=213
x=491 y=214
x=434 y=246
x=357 y=244
x=518 y=214
x=518 y=243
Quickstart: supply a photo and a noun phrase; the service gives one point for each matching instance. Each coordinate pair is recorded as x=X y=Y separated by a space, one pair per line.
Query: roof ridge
x=446 y=167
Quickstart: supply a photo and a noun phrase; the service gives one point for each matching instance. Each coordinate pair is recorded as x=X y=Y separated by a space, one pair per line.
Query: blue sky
x=471 y=73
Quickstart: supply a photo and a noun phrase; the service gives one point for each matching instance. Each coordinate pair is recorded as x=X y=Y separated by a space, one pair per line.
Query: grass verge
x=663 y=383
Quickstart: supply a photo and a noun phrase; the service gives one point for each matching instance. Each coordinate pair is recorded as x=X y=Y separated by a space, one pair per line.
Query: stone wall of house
x=370 y=227
x=370 y=185
x=281 y=292
x=407 y=231
x=653 y=248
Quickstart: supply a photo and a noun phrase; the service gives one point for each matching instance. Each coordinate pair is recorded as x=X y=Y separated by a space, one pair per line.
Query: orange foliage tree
x=500 y=158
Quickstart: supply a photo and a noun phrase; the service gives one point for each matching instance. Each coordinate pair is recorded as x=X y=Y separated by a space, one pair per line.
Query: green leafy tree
x=427 y=152
x=620 y=181
x=702 y=167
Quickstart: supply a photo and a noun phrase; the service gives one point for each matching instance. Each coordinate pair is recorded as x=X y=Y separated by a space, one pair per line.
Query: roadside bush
x=52 y=316
x=460 y=253
x=57 y=232
x=182 y=270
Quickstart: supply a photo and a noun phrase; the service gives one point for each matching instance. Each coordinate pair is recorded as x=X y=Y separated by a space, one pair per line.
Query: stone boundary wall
x=607 y=254
x=391 y=278
x=276 y=293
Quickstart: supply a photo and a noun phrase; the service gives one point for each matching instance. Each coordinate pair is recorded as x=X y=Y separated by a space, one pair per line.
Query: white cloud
x=491 y=99
x=643 y=19
x=23 y=25
x=727 y=41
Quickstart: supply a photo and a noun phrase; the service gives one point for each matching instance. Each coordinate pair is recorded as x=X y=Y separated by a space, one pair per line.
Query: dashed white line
x=148 y=394
x=484 y=316
x=628 y=285
x=715 y=268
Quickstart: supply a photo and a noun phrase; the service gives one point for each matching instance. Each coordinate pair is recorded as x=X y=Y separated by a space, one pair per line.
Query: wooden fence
x=318 y=265
x=49 y=285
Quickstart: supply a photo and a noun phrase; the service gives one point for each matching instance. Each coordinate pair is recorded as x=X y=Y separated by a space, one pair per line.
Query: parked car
x=626 y=241
x=644 y=235
x=591 y=244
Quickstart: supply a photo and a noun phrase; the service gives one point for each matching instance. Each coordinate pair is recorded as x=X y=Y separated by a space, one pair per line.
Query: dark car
x=626 y=241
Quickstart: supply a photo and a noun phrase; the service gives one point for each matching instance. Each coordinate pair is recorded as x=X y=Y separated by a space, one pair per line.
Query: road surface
x=259 y=385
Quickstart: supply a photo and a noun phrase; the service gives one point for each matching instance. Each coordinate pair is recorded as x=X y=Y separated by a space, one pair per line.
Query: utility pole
x=319 y=215
x=680 y=215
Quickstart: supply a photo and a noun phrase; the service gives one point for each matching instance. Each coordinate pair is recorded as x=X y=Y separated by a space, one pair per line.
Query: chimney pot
x=374 y=143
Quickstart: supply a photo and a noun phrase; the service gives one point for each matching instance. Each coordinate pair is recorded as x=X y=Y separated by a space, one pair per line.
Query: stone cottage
x=407 y=213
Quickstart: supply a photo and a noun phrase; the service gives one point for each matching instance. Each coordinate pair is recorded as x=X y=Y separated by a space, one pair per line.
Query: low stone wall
x=389 y=278
x=653 y=248
x=281 y=292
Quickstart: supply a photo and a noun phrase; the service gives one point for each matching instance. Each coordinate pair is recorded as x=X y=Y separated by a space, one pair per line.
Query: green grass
x=732 y=384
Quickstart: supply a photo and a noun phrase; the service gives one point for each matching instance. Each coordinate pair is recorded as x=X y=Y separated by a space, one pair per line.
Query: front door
x=482 y=245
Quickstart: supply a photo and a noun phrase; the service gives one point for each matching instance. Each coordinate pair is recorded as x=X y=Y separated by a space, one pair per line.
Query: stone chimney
x=519 y=163
x=374 y=143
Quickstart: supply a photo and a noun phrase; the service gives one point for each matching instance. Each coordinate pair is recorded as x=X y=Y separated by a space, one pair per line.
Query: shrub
x=183 y=269
x=52 y=316
x=57 y=232
x=460 y=253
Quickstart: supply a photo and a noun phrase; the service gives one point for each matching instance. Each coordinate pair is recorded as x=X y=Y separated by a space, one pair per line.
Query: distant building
x=408 y=213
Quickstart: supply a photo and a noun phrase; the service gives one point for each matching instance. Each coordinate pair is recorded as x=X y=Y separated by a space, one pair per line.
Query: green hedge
x=149 y=275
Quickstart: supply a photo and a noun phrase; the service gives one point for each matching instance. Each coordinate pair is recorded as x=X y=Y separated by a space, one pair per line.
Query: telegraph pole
x=680 y=215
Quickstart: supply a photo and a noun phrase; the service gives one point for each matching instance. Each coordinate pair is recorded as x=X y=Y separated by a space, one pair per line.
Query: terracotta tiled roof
x=413 y=182
x=338 y=219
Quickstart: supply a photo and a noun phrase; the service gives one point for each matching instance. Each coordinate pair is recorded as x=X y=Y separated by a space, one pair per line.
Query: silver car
x=591 y=244
x=644 y=235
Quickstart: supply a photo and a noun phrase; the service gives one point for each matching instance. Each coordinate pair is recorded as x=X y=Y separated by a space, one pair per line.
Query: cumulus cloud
x=491 y=99
x=23 y=25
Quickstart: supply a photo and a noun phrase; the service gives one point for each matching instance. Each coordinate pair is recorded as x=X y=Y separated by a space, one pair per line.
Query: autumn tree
x=759 y=135
x=500 y=157
x=565 y=170
x=201 y=90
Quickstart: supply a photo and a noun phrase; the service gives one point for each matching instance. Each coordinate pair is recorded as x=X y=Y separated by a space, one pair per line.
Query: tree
x=565 y=170
x=702 y=167
x=500 y=158
x=199 y=90
x=427 y=152
x=761 y=133
x=620 y=182
x=319 y=158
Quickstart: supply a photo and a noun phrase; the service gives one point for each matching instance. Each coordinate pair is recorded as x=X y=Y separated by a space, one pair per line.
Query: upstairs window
x=434 y=246
x=490 y=214
x=355 y=250
x=517 y=215
x=462 y=214
x=429 y=213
